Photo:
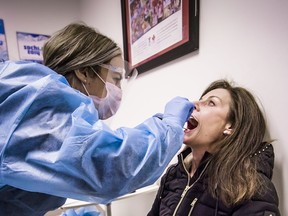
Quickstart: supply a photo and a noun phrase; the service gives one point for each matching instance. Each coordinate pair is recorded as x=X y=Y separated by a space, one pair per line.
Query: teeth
x=185 y=127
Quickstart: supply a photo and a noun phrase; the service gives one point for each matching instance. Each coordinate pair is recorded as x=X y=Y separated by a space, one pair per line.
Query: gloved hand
x=83 y=211
x=179 y=110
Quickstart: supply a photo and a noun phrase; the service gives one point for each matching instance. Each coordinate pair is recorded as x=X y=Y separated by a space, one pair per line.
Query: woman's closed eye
x=211 y=103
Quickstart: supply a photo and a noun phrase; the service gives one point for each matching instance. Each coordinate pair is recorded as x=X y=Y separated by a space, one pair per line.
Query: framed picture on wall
x=3 y=43
x=30 y=46
x=158 y=31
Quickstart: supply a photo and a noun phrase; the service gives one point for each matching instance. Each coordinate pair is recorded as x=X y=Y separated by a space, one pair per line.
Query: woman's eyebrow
x=210 y=97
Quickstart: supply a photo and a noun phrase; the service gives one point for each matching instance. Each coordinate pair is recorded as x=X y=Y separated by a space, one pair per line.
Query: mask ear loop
x=98 y=75
x=85 y=88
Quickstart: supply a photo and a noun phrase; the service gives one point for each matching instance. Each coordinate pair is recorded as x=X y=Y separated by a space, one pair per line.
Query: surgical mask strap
x=85 y=88
x=98 y=75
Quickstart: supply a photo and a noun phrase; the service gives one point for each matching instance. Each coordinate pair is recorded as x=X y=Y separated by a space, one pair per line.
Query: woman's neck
x=196 y=159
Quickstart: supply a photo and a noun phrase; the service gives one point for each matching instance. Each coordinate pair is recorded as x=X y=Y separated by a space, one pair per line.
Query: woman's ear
x=228 y=129
x=81 y=75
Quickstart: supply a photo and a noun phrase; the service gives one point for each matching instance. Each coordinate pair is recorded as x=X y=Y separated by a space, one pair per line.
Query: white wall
x=246 y=41
x=35 y=16
x=104 y=16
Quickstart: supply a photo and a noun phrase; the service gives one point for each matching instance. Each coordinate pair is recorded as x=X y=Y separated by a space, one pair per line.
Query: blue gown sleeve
x=52 y=141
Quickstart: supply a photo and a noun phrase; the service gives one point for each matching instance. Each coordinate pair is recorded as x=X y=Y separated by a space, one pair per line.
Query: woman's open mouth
x=191 y=124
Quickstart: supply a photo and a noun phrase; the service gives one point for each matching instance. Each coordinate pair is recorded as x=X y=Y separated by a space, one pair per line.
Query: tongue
x=192 y=123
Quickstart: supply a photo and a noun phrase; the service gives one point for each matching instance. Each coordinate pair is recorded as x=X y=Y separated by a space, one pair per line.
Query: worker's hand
x=179 y=109
x=83 y=211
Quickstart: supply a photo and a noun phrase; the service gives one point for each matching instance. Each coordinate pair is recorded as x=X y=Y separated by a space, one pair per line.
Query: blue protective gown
x=53 y=145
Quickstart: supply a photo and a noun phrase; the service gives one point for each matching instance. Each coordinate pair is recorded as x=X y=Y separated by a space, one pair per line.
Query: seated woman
x=226 y=167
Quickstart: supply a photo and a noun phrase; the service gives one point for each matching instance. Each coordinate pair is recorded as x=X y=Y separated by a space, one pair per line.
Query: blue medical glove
x=178 y=110
x=69 y=212
x=83 y=211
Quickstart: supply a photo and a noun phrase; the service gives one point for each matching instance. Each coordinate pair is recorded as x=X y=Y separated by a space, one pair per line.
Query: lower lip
x=187 y=130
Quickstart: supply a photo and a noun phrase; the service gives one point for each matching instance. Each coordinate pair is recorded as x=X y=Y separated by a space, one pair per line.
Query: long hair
x=78 y=46
x=232 y=175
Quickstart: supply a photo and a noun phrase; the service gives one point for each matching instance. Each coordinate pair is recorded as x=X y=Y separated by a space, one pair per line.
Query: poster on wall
x=158 y=31
x=30 y=46
x=3 y=43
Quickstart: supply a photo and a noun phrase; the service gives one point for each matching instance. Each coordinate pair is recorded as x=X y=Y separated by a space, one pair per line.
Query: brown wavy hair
x=232 y=172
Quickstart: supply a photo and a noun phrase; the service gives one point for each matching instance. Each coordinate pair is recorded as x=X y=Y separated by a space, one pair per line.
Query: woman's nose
x=197 y=105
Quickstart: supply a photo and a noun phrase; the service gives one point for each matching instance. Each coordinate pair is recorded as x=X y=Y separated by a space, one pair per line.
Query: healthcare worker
x=53 y=142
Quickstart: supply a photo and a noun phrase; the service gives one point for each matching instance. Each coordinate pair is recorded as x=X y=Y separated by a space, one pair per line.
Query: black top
x=197 y=201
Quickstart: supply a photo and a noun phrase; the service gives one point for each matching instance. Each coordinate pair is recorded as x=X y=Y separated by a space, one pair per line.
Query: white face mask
x=108 y=105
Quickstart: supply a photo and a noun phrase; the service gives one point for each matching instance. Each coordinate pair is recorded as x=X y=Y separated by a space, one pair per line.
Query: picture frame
x=158 y=31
